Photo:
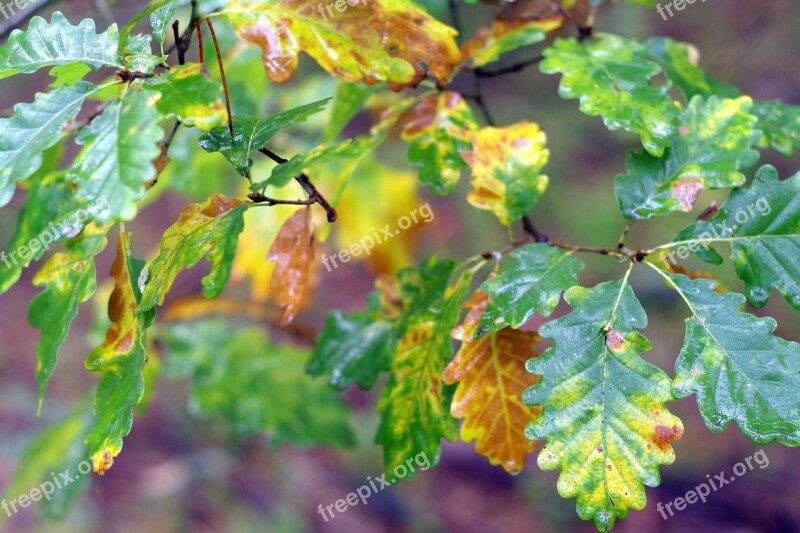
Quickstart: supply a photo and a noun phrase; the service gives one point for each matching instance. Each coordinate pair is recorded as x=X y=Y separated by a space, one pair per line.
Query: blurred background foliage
x=179 y=472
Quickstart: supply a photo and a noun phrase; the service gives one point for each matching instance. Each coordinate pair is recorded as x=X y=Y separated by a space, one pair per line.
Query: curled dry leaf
x=293 y=253
x=491 y=376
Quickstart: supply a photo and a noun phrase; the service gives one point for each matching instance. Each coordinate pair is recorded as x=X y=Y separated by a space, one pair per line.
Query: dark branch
x=314 y=196
x=509 y=69
x=183 y=42
x=531 y=230
x=259 y=198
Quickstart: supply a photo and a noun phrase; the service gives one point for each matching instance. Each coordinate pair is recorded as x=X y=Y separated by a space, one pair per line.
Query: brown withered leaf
x=491 y=375
x=293 y=254
x=160 y=163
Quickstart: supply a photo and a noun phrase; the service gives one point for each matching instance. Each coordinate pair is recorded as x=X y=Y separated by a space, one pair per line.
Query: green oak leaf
x=116 y=162
x=253 y=133
x=739 y=371
x=120 y=360
x=68 y=74
x=611 y=80
x=48 y=44
x=50 y=215
x=188 y=95
x=211 y=228
x=779 y=122
x=256 y=385
x=532 y=281
x=58 y=448
x=713 y=143
x=33 y=129
x=781 y=126
x=353 y=348
x=762 y=225
x=603 y=412
x=415 y=403
x=437 y=133
x=161 y=17
x=68 y=278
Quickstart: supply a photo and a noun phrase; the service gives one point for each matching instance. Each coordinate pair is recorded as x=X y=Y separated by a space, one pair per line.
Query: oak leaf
x=293 y=253
x=491 y=376
x=505 y=165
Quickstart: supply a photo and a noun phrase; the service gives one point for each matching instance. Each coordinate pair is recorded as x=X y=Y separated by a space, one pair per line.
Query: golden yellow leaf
x=505 y=165
x=491 y=376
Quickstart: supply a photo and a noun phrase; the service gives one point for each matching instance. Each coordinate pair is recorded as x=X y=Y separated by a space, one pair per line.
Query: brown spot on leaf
x=686 y=192
x=663 y=435
x=613 y=339
x=709 y=212
x=103 y=464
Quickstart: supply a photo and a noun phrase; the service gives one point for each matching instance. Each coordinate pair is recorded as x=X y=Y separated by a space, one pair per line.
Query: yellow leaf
x=491 y=376
x=408 y=32
x=368 y=40
x=505 y=165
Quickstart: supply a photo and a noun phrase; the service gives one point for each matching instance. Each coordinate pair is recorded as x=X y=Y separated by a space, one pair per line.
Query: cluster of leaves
x=597 y=404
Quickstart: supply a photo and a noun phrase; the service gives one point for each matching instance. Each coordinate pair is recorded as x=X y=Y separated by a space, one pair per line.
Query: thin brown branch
x=222 y=75
x=517 y=67
x=313 y=194
x=199 y=31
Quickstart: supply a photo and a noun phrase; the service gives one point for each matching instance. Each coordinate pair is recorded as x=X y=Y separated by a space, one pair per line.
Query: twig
x=78 y=124
x=509 y=69
x=222 y=75
x=313 y=194
x=171 y=136
x=130 y=75
x=531 y=230
x=184 y=41
x=259 y=198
